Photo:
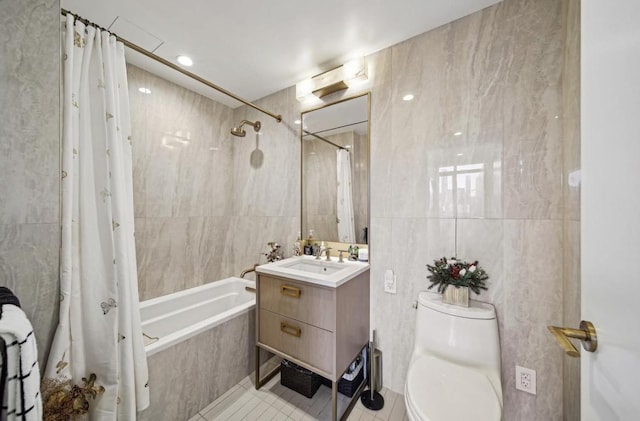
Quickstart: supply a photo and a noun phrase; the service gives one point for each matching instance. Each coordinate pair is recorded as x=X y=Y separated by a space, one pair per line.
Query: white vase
x=458 y=296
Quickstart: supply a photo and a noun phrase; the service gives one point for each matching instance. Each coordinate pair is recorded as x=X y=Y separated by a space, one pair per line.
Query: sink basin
x=315 y=266
x=320 y=272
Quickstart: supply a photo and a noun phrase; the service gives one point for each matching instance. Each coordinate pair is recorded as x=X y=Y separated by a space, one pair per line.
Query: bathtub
x=174 y=318
x=200 y=342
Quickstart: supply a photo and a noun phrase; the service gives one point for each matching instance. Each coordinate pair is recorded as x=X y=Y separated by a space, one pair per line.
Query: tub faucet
x=253 y=269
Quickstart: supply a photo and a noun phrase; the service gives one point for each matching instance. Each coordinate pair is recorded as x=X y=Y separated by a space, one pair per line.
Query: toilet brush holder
x=372 y=399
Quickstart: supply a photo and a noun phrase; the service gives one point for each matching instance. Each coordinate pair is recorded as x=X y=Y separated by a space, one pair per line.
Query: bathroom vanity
x=314 y=313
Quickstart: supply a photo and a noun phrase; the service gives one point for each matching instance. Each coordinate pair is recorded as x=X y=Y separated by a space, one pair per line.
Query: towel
x=21 y=397
x=7 y=297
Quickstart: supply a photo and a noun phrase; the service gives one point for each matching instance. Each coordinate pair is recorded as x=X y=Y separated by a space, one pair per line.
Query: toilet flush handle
x=415 y=304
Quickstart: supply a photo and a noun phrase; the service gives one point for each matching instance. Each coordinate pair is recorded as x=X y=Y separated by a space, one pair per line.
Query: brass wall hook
x=586 y=334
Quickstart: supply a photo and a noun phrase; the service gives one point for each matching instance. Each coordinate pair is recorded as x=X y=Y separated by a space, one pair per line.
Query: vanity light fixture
x=185 y=61
x=408 y=97
x=349 y=74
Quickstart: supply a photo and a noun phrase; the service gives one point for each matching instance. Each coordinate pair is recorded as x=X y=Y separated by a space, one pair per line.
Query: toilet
x=454 y=372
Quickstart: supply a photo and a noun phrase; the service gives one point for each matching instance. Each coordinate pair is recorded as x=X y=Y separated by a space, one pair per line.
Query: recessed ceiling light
x=185 y=61
x=144 y=90
x=408 y=97
x=297 y=122
x=460 y=154
x=457 y=134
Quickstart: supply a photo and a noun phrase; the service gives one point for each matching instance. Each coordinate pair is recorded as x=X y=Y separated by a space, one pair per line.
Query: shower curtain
x=344 y=208
x=99 y=328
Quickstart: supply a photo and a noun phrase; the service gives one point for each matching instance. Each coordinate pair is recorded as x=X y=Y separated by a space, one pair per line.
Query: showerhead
x=239 y=131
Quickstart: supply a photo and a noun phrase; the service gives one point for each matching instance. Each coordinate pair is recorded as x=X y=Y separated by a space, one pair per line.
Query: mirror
x=335 y=171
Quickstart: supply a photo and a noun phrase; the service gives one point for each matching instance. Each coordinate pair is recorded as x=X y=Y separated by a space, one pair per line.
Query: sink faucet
x=326 y=251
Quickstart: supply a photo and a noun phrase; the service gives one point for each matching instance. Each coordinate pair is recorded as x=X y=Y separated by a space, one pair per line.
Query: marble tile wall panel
x=533 y=272
x=187 y=377
x=29 y=133
x=382 y=304
x=29 y=160
x=455 y=118
x=483 y=240
x=179 y=253
x=182 y=169
x=182 y=150
x=402 y=245
x=267 y=164
x=381 y=141
x=532 y=105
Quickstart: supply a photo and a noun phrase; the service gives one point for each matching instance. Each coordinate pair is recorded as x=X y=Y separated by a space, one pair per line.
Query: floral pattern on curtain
x=99 y=330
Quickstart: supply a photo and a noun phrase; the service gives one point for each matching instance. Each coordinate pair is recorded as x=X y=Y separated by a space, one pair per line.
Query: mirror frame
x=303 y=218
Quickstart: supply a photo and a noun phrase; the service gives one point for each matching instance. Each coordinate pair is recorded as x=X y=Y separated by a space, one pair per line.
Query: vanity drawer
x=307 y=343
x=297 y=300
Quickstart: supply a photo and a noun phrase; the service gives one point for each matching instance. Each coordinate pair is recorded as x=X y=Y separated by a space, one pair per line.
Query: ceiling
x=255 y=48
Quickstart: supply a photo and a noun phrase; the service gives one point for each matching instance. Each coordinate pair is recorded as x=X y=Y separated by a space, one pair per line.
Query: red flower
x=455 y=272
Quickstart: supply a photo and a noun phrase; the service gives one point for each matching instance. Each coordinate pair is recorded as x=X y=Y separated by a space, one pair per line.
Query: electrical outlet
x=390 y=282
x=526 y=380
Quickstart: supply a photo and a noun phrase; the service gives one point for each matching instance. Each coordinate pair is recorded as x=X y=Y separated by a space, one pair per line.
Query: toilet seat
x=438 y=390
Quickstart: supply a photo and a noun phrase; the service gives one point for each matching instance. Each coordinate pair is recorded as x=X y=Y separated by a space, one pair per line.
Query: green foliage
x=445 y=272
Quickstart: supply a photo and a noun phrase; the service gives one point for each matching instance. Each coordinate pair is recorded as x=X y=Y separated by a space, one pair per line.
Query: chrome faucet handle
x=340 y=258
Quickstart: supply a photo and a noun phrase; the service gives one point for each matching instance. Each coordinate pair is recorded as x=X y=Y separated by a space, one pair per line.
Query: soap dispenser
x=308 y=247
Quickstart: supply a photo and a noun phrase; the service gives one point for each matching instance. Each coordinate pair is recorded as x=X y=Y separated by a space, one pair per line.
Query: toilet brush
x=371 y=399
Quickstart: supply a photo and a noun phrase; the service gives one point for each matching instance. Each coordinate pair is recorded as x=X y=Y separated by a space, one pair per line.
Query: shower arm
x=175 y=67
x=256 y=125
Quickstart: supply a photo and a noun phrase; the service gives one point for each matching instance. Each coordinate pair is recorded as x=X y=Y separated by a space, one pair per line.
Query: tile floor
x=275 y=402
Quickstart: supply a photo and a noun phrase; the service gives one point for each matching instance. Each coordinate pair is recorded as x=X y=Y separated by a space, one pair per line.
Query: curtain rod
x=325 y=140
x=175 y=67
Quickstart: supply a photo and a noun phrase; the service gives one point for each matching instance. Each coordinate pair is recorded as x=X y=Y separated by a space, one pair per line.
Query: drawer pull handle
x=290 y=291
x=290 y=329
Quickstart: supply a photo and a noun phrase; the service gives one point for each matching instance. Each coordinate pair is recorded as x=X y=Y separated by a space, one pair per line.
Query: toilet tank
x=462 y=335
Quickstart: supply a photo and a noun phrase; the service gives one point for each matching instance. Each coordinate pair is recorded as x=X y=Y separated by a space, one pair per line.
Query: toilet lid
x=438 y=390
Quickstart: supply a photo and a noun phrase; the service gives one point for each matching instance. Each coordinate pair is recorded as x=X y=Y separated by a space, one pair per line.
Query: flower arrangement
x=458 y=273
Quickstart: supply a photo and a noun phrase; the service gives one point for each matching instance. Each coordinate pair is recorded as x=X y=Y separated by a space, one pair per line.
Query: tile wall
x=495 y=192
x=183 y=161
x=29 y=160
